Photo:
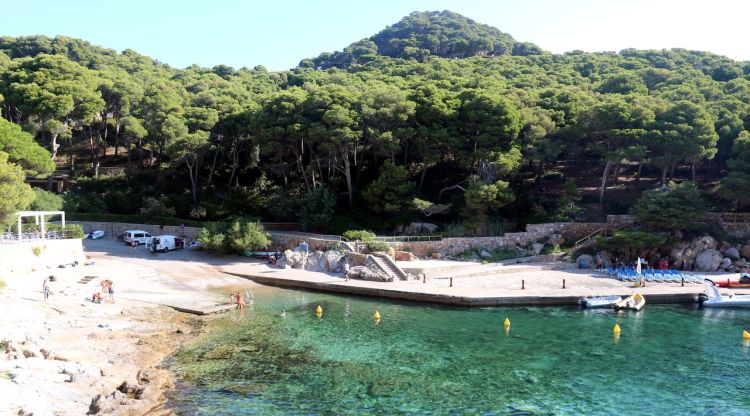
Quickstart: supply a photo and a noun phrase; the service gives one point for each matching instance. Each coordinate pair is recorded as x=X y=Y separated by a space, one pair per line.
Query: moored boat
x=744 y=282
x=635 y=302
x=714 y=299
x=599 y=301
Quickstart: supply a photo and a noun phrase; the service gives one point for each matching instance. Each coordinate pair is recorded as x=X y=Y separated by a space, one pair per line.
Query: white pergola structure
x=39 y=219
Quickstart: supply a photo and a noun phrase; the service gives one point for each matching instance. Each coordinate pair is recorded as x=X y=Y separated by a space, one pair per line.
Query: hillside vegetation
x=434 y=117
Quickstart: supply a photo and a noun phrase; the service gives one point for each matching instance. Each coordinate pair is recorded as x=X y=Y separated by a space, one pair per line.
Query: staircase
x=388 y=266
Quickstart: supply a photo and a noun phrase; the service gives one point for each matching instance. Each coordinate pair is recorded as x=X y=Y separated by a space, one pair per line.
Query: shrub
x=80 y=202
x=36 y=250
x=630 y=243
x=359 y=235
x=377 y=245
x=233 y=237
x=317 y=208
x=156 y=207
x=46 y=201
x=677 y=208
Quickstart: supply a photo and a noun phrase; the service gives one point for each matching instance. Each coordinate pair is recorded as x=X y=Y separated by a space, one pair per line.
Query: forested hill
x=421 y=34
x=380 y=135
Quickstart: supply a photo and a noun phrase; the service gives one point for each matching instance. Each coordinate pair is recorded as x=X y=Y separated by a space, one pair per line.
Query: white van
x=139 y=236
x=164 y=243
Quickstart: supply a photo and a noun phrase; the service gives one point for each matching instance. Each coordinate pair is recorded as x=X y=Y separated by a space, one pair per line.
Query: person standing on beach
x=111 y=291
x=133 y=245
x=45 y=289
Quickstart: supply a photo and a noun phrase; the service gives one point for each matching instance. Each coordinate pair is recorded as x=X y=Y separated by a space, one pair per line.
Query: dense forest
x=434 y=117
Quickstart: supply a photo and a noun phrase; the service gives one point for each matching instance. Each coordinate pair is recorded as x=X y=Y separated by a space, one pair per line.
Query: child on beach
x=238 y=300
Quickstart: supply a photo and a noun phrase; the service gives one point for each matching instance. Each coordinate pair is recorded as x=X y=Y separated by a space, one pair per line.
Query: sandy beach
x=69 y=356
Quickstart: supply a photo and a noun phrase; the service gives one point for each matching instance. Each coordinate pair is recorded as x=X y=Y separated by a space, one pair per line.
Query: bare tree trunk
x=638 y=176
x=607 y=167
x=421 y=178
x=664 y=175
x=692 y=169
x=348 y=175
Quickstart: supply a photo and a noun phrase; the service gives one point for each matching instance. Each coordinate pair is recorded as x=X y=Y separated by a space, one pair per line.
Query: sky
x=278 y=34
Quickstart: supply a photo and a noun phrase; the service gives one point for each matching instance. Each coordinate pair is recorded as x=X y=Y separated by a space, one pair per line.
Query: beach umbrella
x=638 y=266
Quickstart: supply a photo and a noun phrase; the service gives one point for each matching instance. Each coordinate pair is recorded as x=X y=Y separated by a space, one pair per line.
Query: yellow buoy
x=616 y=329
x=745 y=335
x=376 y=315
x=506 y=323
x=318 y=310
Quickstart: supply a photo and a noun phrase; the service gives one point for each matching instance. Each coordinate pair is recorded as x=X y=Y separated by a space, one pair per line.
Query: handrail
x=587 y=237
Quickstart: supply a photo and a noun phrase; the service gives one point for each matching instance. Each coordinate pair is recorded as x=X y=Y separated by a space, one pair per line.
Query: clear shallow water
x=436 y=360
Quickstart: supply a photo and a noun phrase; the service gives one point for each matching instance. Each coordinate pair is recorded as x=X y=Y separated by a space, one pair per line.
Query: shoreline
x=533 y=284
x=71 y=356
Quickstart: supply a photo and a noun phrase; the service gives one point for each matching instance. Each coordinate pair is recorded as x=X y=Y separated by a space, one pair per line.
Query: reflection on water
x=422 y=359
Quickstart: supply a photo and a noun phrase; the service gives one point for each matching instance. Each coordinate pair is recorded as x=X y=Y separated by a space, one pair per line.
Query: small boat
x=744 y=282
x=635 y=302
x=599 y=301
x=713 y=299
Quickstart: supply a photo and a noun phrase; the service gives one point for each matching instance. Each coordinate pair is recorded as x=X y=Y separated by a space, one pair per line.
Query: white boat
x=599 y=301
x=714 y=299
x=635 y=302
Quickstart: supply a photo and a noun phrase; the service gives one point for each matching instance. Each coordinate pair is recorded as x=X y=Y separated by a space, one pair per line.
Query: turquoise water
x=423 y=359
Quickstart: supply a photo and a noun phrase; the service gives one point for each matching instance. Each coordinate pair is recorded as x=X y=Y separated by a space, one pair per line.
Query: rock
x=603 y=259
x=313 y=262
x=391 y=253
x=556 y=240
x=585 y=261
x=536 y=248
x=294 y=259
x=708 y=260
x=334 y=261
x=355 y=259
x=725 y=263
x=437 y=256
x=420 y=228
x=732 y=253
x=363 y=273
x=696 y=247
x=485 y=254
x=745 y=251
x=741 y=263
x=405 y=256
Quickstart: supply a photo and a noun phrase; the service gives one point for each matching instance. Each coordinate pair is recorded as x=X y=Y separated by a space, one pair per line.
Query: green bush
x=234 y=237
x=46 y=201
x=359 y=235
x=79 y=202
x=679 y=207
x=630 y=243
x=317 y=208
x=156 y=207
x=377 y=245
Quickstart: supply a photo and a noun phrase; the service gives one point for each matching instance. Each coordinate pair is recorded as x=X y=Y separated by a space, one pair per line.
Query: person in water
x=283 y=313
x=239 y=300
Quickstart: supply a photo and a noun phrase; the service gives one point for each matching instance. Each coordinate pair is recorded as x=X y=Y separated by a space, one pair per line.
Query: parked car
x=165 y=243
x=137 y=236
x=95 y=235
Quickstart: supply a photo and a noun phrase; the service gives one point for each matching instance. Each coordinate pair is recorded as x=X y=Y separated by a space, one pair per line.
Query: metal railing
x=8 y=238
x=408 y=238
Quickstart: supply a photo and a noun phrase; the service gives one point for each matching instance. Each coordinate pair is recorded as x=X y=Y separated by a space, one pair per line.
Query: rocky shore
x=70 y=356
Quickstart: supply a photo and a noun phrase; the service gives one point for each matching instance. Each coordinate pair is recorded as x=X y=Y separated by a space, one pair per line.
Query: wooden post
x=683 y=282
x=563 y=283
x=523 y=284
x=451 y=282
